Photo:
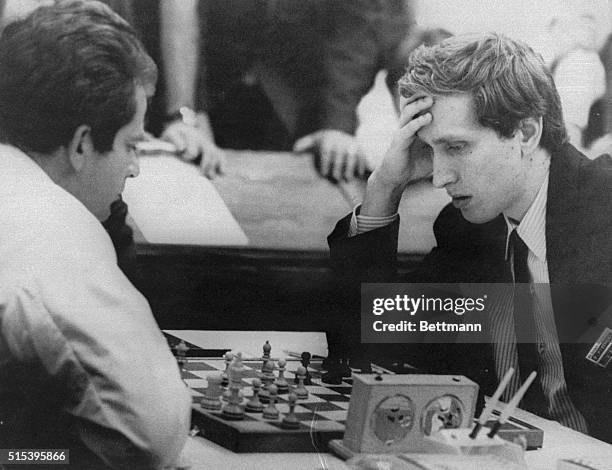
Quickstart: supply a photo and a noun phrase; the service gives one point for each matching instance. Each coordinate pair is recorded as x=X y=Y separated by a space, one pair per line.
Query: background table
x=282 y=278
x=281 y=202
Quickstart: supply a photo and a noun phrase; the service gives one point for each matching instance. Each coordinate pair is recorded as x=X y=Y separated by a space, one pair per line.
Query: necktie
x=524 y=324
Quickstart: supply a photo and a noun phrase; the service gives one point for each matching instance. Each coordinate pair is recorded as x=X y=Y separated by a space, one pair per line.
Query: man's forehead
x=453 y=116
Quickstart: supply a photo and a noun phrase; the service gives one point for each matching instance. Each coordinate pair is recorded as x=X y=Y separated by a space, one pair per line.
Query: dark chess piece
x=305 y=360
x=266 y=354
x=333 y=376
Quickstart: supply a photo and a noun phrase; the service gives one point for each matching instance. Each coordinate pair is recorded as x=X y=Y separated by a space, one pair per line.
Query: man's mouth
x=461 y=202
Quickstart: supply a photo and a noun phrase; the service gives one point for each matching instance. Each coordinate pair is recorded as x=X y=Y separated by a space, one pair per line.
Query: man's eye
x=454 y=148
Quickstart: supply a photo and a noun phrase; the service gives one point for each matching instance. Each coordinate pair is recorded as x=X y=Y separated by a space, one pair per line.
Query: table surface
x=280 y=202
x=199 y=453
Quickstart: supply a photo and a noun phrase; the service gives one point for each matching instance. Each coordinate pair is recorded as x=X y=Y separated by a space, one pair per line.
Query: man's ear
x=530 y=133
x=80 y=147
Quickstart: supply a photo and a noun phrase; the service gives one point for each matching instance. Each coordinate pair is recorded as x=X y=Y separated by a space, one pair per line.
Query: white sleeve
x=580 y=80
x=95 y=335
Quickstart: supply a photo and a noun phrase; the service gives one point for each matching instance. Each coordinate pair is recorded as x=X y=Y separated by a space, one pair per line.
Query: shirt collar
x=532 y=229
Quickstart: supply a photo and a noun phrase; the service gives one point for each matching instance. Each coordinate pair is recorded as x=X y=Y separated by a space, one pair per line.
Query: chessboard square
x=345 y=390
x=197 y=392
x=322 y=406
x=199 y=366
x=196 y=383
x=204 y=374
x=188 y=375
x=333 y=397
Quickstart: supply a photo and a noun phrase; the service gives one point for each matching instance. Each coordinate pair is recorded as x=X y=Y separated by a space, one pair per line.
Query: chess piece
x=228 y=359
x=236 y=363
x=267 y=378
x=306 y=362
x=266 y=354
x=270 y=411
x=290 y=421
x=300 y=390
x=254 y=405
x=181 y=353
x=344 y=367
x=212 y=394
x=233 y=409
x=281 y=381
x=333 y=376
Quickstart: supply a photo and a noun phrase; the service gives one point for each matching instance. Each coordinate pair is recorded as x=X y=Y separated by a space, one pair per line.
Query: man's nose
x=134 y=168
x=443 y=173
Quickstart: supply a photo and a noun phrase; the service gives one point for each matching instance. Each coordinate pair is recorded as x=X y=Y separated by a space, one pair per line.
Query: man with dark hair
x=483 y=116
x=83 y=365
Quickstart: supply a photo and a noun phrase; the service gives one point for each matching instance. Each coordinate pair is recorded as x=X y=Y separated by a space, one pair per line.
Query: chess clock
x=394 y=413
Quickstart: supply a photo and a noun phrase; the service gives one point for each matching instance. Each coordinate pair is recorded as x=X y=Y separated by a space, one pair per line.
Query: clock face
x=393 y=419
x=445 y=412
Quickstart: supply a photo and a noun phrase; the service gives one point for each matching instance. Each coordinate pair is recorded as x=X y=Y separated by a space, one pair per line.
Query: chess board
x=322 y=415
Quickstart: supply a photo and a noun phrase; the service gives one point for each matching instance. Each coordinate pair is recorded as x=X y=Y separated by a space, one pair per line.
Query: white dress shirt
x=67 y=310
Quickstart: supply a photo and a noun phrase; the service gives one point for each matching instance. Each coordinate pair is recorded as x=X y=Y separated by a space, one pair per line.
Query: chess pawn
x=270 y=411
x=300 y=390
x=228 y=360
x=281 y=381
x=306 y=363
x=212 y=393
x=254 y=405
x=267 y=377
x=290 y=421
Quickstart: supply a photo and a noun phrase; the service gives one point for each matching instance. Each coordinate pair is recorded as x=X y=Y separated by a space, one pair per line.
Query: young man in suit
x=482 y=115
x=83 y=364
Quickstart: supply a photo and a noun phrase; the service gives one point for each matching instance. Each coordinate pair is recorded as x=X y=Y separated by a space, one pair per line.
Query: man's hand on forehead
x=416 y=97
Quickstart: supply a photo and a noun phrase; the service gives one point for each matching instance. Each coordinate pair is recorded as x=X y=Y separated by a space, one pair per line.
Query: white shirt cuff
x=364 y=223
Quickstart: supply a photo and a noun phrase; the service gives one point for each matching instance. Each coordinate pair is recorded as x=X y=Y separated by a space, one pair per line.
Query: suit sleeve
x=362 y=33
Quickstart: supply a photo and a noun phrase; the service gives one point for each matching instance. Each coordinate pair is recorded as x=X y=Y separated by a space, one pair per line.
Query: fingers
x=306 y=143
x=338 y=156
x=414 y=111
x=174 y=136
x=213 y=161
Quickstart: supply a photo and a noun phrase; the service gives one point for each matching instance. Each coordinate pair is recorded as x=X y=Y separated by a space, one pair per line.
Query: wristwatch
x=184 y=114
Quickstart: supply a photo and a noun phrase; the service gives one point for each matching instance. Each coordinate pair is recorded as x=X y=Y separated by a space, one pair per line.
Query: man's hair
x=71 y=63
x=506 y=79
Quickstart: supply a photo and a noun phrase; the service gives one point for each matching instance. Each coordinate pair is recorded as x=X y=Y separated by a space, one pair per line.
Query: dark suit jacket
x=579 y=252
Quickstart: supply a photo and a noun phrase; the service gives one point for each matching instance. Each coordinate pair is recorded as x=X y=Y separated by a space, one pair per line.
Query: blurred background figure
x=367 y=37
x=12 y=9
x=260 y=75
x=578 y=73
